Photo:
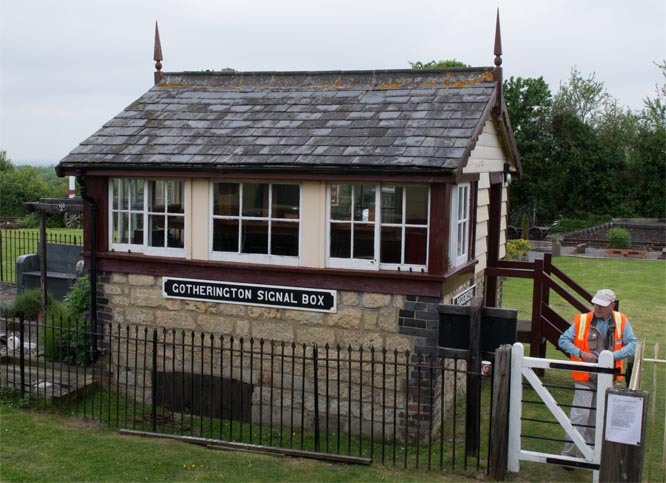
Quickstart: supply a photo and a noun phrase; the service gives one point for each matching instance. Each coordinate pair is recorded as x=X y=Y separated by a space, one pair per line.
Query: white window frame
x=375 y=263
x=459 y=241
x=146 y=213
x=267 y=259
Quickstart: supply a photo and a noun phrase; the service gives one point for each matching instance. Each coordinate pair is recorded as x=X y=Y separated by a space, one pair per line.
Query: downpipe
x=92 y=271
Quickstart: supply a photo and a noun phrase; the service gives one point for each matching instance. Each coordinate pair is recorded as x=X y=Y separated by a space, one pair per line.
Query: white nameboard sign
x=624 y=417
x=298 y=298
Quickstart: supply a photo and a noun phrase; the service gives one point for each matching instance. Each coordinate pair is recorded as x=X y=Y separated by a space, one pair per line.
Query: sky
x=68 y=66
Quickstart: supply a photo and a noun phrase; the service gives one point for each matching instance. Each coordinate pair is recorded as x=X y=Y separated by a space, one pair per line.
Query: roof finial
x=498 y=60
x=498 y=43
x=157 y=56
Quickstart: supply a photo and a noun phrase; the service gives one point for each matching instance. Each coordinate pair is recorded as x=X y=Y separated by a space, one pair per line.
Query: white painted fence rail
x=523 y=368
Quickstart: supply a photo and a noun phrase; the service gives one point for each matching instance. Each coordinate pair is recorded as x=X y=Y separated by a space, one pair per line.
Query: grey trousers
x=585 y=395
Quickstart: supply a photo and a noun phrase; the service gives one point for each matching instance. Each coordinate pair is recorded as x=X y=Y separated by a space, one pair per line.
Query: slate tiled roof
x=423 y=120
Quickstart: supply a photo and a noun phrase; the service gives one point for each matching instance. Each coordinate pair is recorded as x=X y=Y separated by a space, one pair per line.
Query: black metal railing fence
x=349 y=404
x=14 y=243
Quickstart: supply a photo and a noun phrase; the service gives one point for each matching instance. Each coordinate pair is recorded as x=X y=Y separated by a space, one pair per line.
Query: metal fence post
x=153 y=415
x=22 y=353
x=315 y=370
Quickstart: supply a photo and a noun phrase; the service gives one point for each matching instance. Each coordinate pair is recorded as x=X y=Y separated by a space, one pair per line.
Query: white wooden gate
x=523 y=368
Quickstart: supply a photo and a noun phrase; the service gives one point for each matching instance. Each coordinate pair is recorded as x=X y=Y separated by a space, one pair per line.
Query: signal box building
x=309 y=207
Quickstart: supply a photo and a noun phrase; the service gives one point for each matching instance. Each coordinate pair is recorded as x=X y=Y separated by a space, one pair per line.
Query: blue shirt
x=629 y=340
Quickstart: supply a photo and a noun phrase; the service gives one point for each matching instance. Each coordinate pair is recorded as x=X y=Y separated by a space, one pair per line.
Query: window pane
x=392 y=204
x=462 y=239
x=226 y=201
x=156 y=230
x=121 y=228
x=364 y=241
x=175 y=232
x=117 y=191
x=254 y=237
x=341 y=240
x=255 y=200
x=136 y=229
x=225 y=235
x=391 y=244
x=417 y=205
x=285 y=201
x=364 y=202
x=416 y=242
x=341 y=202
x=157 y=197
x=136 y=194
x=284 y=238
x=175 y=197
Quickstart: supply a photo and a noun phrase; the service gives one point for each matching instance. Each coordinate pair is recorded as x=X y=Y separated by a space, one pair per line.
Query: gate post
x=473 y=379
x=499 y=435
x=515 y=409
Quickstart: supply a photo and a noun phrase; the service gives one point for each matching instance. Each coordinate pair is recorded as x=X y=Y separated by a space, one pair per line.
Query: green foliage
x=585 y=98
x=583 y=154
x=65 y=333
x=77 y=301
x=516 y=249
x=439 y=64
x=10 y=397
x=19 y=184
x=28 y=304
x=619 y=238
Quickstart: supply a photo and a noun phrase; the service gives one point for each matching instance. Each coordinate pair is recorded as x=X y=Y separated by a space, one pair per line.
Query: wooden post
x=537 y=301
x=473 y=379
x=621 y=461
x=499 y=430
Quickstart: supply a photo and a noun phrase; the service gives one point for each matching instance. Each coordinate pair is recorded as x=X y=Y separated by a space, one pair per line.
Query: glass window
x=148 y=216
x=395 y=236
x=256 y=222
x=460 y=224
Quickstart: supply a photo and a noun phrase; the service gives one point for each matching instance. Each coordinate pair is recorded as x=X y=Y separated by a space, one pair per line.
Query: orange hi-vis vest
x=582 y=323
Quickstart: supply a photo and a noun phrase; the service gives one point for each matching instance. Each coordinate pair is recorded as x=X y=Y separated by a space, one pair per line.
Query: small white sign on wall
x=465 y=297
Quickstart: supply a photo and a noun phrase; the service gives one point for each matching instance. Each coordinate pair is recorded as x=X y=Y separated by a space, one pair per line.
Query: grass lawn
x=38 y=446
x=43 y=446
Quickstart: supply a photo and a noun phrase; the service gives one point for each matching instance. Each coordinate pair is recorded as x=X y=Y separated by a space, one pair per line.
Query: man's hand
x=588 y=357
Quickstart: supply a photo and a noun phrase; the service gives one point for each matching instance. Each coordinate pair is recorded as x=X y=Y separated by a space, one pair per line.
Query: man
x=591 y=333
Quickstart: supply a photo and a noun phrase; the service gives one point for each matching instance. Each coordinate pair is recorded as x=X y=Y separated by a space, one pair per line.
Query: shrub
x=77 y=301
x=65 y=334
x=28 y=304
x=619 y=238
x=516 y=249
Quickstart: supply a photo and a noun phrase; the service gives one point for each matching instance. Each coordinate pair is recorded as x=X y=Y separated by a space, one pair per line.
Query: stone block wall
x=395 y=323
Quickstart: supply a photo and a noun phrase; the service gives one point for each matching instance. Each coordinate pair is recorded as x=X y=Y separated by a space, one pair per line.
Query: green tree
x=5 y=162
x=19 y=184
x=586 y=98
x=438 y=64
x=529 y=103
x=646 y=185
